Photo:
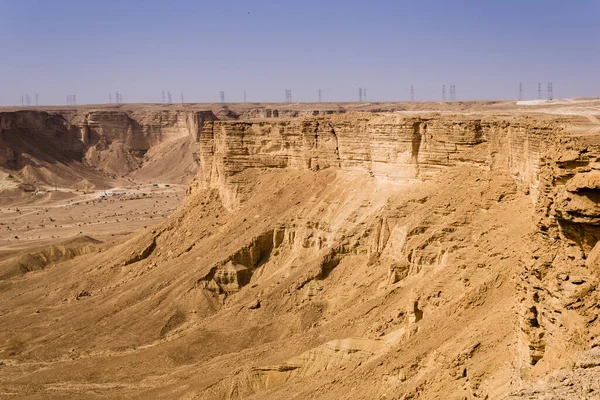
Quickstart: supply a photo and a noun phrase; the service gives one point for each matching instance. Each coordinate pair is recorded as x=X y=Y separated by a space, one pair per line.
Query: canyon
x=357 y=251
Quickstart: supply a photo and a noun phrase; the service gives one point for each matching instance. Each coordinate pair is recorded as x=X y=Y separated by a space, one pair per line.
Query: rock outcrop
x=362 y=255
x=40 y=145
x=390 y=147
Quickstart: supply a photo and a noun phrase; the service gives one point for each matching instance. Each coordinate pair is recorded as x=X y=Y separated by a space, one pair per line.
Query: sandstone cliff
x=356 y=255
x=58 y=147
x=387 y=146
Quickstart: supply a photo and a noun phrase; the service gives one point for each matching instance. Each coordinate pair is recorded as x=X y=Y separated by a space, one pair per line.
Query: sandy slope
x=191 y=331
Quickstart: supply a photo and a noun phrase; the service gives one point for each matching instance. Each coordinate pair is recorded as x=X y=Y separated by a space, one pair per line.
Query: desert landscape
x=406 y=250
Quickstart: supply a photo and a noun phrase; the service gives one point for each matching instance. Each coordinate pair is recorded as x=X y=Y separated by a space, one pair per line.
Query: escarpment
x=362 y=255
x=559 y=175
x=390 y=147
x=561 y=302
x=55 y=147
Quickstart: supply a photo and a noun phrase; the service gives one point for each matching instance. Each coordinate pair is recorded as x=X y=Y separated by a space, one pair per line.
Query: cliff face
x=138 y=129
x=111 y=142
x=560 y=301
x=559 y=172
x=389 y=147
x=561 y=175
x=383 y=255
x=118 y=142
x=23 y=132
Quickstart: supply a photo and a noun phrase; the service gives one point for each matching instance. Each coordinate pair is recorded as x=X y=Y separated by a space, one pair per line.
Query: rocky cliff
x=390 y=147
x=356 y=255
x=558 y=172
x=45 y=146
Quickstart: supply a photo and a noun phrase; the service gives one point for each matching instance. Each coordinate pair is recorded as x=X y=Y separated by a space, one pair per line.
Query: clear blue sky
x=485 y=48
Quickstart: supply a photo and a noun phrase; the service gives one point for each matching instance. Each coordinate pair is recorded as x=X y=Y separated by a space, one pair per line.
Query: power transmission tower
x=222 y=94
x=539 y=91
x=520 y=91
x=320 y=95
x=550 y=94
x=181 y=97
x=288 y=95
x=443 y=92
x=169 y=97
x=412 y=93
x=364 y=94
x=360 y=94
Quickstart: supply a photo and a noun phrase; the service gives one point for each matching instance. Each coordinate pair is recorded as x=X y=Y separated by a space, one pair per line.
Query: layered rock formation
x=390 y=147
x=560 y=175
x=356 y=255
x=41 y=144
x=560 y=301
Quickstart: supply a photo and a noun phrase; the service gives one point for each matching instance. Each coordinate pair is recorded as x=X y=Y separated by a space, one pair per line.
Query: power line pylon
x=520 y=91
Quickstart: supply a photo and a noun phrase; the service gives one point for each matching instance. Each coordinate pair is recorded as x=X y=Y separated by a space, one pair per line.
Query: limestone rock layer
x=390 y=147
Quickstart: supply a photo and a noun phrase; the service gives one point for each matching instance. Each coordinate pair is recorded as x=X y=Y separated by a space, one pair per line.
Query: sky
x=199 y=48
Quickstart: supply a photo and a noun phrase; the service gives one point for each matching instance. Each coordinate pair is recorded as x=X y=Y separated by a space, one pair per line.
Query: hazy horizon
x=141 y=49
